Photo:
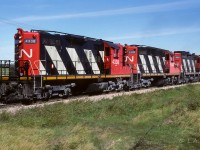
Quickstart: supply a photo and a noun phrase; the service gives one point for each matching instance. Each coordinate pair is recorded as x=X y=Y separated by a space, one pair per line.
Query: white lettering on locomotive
x=115 y=61
x=128 y=58
x=25 y=53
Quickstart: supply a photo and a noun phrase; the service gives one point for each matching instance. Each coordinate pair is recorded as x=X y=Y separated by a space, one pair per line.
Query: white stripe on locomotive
x=190 y=69
x=42 y=69
x=152 y=63
x=193 y=66
x=76 y=61
x=184 y=65
x=159 y=64
x=92 y=61
x=138 y=69
x=102 y=55
x=182 y=68
x=57 y=61
x=144 y=64
x=163 y=58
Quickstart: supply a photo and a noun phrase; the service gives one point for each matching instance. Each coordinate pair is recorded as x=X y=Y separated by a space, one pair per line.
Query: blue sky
x=168 y=24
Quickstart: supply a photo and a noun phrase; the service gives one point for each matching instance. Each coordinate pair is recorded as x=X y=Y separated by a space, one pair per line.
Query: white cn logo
x=128 y=58
x=22 y=51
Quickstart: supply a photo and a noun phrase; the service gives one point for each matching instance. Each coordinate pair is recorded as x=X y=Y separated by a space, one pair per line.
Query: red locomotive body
x=124 y=60
x=27 y=52
x=177 y=62
x=173 y=63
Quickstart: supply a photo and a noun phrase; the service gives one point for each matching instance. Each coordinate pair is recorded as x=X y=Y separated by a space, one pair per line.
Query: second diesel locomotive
x=49 y=63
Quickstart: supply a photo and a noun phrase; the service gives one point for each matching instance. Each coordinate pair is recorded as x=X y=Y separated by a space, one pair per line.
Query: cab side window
x=107 y=51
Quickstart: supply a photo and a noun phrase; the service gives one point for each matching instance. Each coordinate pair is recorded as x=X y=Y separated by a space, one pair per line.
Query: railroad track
x=13 y=108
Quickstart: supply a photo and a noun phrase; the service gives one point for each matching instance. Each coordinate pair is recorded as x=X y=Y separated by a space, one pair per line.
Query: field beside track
x=164 y=119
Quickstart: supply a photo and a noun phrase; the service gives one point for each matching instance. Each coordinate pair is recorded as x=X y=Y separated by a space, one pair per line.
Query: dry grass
x=109 y=124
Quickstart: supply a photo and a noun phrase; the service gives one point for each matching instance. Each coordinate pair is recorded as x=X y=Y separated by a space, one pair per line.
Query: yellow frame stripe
x=71 y=77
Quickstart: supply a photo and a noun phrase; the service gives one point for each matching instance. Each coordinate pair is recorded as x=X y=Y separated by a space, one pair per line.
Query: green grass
x=4 y=71
x=165 y=119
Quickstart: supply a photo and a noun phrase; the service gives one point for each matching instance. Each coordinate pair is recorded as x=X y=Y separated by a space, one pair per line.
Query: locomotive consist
x=49 y=63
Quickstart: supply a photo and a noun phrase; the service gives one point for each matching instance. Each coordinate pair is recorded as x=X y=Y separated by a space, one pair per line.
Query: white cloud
x=131 y=10
x=156 y=33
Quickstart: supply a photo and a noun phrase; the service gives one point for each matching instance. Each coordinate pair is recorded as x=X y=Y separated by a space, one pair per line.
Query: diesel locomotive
x=49 y=63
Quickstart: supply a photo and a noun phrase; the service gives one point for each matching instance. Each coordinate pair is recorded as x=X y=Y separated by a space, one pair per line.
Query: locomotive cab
x=107 y=59
x=197 y=63
x=168 y=59
x=112 y=57
x=26 y=52
x=172 y=63
x=177 y=62
x=130 y=58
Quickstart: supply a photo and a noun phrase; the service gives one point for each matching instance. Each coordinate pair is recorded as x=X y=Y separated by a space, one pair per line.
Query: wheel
x=65 y=94
x=46 y=96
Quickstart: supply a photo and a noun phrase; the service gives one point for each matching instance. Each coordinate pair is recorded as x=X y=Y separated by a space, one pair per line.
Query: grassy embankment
x=159 y=120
